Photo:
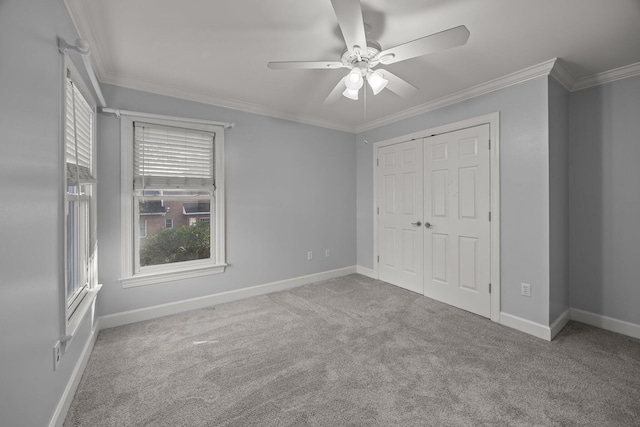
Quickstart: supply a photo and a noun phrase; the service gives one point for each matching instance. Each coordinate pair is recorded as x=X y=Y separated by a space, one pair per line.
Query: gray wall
x=605 y=200
x=558 y=200
x=31 y=226
x=290 y=188
x=524 y=187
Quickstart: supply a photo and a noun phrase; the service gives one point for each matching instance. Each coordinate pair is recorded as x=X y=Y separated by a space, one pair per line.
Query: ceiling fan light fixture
x=377 y=81
x=351 y=93
x=354 y=79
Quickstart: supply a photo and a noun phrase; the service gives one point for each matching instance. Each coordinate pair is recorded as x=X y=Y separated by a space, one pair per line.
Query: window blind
x=167 y=157
x=78 y=137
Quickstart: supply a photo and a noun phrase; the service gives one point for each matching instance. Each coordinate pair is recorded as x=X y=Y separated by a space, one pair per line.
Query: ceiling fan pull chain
x=365 y=103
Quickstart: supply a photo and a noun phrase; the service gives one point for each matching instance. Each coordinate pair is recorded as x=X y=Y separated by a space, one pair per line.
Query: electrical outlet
x=327 y=253
x=56 y=355
x=525 y=289
x=309 y=255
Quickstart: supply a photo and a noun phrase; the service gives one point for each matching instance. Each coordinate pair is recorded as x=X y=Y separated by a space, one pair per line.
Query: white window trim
x=182 y=270
x=72 y=316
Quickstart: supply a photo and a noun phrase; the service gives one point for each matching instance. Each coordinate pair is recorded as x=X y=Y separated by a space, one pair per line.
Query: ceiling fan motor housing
x=363 y=60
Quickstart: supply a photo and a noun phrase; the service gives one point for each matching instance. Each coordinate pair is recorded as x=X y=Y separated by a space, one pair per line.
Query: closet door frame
x=493 y=120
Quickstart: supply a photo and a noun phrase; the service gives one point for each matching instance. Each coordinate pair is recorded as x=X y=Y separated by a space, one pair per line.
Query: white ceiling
x=217 y=51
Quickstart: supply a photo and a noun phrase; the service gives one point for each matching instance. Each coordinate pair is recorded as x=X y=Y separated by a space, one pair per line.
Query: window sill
x=81 y=311
x=169 y=276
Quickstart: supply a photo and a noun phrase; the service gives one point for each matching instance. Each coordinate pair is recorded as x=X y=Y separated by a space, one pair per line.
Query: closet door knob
x=428 y=225
x=416 y=224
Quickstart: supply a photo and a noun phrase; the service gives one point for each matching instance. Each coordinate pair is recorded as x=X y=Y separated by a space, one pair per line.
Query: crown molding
x=82 y=23
x=553 y=67
x=530 y=73
x=562 y=76
x=568 y=82
x=620 y=73
x=178 y=92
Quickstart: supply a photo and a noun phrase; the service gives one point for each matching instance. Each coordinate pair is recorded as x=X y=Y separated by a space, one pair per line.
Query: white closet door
x=400 y=201
x=456 y=215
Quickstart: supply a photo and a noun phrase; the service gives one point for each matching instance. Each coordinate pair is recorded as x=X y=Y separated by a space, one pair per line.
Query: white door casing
x=400 y=212
x=493 y=253
x=457 y=223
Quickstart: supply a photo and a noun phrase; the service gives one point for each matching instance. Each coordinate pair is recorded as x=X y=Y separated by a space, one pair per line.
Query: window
x=80 y=254
x=172 y=174
x=143 y=228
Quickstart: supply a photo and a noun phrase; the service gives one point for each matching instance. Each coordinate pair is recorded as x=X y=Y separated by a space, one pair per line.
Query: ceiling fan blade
x=446 y=39
x=349 y=14
x=336 y=93
x=397 y=85
x=304 y=65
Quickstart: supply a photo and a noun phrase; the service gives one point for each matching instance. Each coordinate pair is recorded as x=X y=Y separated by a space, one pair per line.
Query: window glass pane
x=177 y=229
x=174 y=193
x=72 y=249
x=78 y=242
x=83 y=242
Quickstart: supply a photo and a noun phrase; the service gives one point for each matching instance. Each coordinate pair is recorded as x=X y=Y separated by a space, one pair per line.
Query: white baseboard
x=526 y=326
x=604 y=322
x=148 y=313
x=532 y=328
x=549 y=332
x=366 y=272
x=559 y=323
x=70 y=390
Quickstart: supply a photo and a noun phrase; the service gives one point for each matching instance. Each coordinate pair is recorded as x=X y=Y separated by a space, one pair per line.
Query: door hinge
x=377 y=162
x=489 y=144
x=378 y=211
x=489 y=216
x=378 y=258
x=489 y=287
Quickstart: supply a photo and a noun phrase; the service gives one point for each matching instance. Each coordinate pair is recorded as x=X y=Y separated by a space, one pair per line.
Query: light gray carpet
x=353 y=351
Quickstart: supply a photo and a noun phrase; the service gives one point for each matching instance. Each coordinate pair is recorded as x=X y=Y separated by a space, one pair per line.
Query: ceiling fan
x=362 y=55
